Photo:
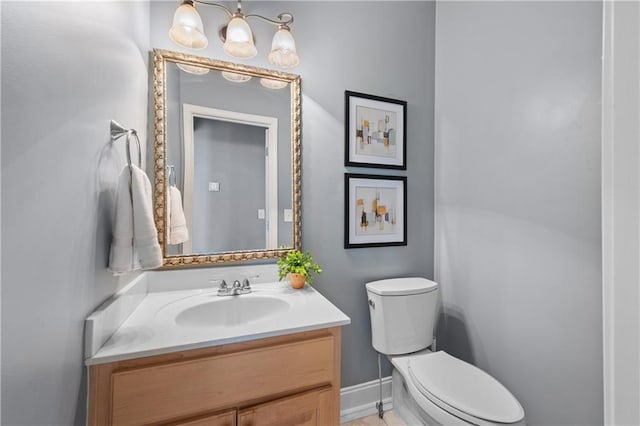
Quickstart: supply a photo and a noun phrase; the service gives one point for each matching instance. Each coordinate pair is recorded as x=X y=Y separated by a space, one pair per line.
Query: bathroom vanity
x=189 y=357
x=293 y=379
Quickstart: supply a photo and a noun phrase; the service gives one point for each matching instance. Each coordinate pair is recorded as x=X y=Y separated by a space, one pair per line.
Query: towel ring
x=117 y=131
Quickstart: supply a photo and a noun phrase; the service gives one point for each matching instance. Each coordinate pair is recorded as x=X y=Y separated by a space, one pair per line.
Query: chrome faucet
x=236 y=289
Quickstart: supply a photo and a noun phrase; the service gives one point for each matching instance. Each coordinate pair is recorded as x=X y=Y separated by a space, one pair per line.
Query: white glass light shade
x=283 y=49
x=235 y=77
x=273 y=84
x=239 y=39
x=193 y=69
x=187 y=29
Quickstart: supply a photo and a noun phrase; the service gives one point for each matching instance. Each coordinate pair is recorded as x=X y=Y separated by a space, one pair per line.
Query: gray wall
x=228 y=219
x=67 y=69
x=350 y=48
x=518 y=199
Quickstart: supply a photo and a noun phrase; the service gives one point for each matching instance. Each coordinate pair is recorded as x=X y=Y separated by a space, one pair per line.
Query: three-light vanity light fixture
x=188 y=31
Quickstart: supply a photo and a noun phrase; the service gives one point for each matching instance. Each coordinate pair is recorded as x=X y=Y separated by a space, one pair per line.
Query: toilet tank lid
x=401 y=286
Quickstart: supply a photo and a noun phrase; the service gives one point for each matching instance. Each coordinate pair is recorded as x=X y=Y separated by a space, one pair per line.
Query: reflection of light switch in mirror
x=214 y=186
x=260 y=213
x=288 y=215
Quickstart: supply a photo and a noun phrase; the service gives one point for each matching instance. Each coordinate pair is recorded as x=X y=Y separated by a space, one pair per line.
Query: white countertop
x=151 y=329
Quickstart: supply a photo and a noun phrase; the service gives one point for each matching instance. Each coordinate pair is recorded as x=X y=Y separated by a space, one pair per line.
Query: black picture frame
x=375 y=210
x=384 y=148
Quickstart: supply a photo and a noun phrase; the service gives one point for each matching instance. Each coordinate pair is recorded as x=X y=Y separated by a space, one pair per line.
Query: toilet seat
x=462 y=389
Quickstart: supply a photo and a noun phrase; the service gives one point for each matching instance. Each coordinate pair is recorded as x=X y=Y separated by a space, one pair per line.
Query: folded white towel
x=145 y=233
x=178 y=232
x=135 y=237
x=121 y=258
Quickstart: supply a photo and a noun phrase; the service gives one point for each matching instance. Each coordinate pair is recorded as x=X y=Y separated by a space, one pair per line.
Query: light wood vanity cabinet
x=227 y=418
x=285 y=381
x=307 y=409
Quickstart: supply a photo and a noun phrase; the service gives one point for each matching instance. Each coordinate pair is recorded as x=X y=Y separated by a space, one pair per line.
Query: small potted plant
x=298 y=266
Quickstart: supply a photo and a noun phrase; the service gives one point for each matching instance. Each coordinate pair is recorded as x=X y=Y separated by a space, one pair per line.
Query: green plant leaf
x=297 y=262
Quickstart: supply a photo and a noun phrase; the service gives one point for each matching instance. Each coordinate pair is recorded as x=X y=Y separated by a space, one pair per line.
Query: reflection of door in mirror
x=230 y=180
x=228 y=199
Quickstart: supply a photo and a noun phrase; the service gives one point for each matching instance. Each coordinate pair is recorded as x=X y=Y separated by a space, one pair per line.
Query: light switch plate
x=214 y=186
x=260 y=213
x=288 y=215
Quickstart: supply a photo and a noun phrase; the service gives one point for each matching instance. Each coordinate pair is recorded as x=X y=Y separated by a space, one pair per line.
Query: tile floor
x=390 y=419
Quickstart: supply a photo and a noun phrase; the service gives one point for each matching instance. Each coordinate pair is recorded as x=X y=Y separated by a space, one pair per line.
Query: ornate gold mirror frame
x=160 y=59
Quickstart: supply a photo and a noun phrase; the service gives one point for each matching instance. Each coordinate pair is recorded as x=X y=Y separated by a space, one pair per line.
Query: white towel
x=178 y=232
x=135 y=237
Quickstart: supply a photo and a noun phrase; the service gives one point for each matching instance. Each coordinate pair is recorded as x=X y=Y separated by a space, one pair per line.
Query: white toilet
x=431 y=388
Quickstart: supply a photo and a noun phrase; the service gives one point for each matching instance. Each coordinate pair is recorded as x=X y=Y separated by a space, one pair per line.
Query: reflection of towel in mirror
x=135 y=237
x=178 y=232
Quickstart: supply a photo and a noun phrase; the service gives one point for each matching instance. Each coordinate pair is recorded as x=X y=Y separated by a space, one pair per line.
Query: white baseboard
x=360 y=400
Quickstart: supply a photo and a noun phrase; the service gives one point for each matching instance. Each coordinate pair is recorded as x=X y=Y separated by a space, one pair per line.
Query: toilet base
x=410 y=405
x=416 y=409
x=404 y=406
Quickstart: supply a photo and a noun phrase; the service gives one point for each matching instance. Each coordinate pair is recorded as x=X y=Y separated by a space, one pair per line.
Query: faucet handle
x=223 y=288
x=246 y=285
x=246 y=281
x=236 y=284
x=218 y=281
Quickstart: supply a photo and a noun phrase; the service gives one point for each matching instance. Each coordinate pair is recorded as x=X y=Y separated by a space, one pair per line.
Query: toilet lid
x=451 y=383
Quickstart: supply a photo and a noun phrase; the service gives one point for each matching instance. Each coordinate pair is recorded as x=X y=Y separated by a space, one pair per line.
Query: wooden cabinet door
x=157 y=393
x=226 y=418
x=311 y=408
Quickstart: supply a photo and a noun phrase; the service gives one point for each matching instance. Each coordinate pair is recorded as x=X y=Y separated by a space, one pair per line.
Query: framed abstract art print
x=375 y=210
x=375 y=131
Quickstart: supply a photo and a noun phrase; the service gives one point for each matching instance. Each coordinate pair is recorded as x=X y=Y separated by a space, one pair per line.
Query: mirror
x=227 y=137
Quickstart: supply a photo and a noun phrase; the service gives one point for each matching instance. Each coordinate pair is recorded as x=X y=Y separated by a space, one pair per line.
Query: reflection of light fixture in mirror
x=237 y=35
x=193 y=69
x=273 y=84
x=187 y=29
x=235 y=77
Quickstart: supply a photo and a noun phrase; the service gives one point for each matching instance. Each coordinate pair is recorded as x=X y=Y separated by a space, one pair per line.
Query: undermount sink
x=231 y=311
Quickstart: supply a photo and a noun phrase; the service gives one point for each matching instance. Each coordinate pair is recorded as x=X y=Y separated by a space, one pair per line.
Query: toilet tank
x=403 y=314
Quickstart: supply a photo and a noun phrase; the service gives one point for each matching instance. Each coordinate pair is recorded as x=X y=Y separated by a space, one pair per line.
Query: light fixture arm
x=207 y=3
x=284 y=19
x=281 y=19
